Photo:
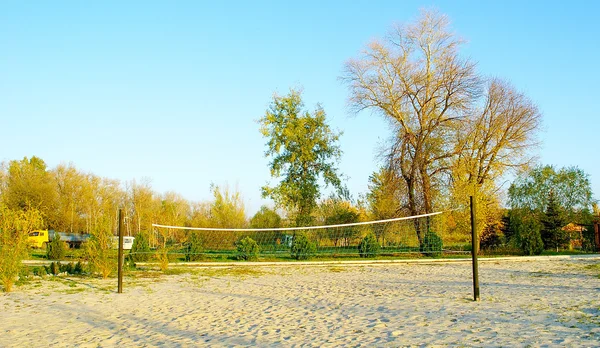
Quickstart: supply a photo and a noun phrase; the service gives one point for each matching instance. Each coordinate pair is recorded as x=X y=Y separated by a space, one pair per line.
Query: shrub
x=53 y=268
x=66 y=268
x=14 y=246
x=56 y=248
x=24 y=273
x=194 y=248
x=302 y=248
x=368 y=247
x=432 y=244
x=129 y=264
x=56 y=268
x=247 y=249
x=78 y=269
x=40 y=271
x=162 y=255
x=140 y=250
x=98 y=253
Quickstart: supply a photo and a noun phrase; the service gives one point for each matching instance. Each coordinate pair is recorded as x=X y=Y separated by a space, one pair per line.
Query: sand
x=524 y=303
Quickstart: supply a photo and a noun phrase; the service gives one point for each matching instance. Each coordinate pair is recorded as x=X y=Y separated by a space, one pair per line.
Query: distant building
x=575 y=235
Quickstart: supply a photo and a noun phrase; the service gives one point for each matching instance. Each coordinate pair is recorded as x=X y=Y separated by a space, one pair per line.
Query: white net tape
x=412 y=234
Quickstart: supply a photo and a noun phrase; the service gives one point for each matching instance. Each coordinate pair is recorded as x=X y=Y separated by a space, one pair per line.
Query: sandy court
x=524 y=303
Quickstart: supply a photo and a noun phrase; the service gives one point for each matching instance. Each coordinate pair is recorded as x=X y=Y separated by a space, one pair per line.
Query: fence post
x=120 y=262
x=474 y=248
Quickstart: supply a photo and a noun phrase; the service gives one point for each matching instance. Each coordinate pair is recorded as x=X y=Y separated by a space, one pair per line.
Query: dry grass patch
x=336 y=269
x=237 y=272
x=595 y=268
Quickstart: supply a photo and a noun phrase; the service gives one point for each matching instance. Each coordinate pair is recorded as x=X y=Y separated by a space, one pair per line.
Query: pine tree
x=491 y=237
x=506 y=228
x=553 y=235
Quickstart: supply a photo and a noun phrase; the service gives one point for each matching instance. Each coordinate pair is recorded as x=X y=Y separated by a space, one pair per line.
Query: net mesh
x=423 y=234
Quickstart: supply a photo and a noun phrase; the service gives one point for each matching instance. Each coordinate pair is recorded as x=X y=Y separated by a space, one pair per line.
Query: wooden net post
x=474 y=248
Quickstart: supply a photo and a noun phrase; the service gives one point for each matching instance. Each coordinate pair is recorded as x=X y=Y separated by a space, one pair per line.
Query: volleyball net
x=424 y=234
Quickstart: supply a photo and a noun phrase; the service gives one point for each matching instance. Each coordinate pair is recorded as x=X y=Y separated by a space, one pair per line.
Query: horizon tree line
x=455 y=133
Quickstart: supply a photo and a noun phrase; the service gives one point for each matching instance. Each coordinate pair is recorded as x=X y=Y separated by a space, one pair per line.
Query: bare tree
x=452 y=136
x=142 y=205
x=416 y=80
x=499 y=136
x=70 y=187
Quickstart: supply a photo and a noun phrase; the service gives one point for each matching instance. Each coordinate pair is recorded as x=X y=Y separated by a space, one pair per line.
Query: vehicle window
x=34 y=234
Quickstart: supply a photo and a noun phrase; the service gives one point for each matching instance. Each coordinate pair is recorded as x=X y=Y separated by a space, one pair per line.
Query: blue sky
x=171 y=91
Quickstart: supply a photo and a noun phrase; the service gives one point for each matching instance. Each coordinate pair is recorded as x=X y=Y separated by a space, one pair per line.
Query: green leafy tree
x=227 y=209
x=265 y=218
x=15 y=226
x=552 y=197
x=552 y=231
x=56 y=248
x=527 y=229
x=302 y=148
x=386 y=191
x=570 y=188
x=386 y=199
x=338 y=211
x=30 y=185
